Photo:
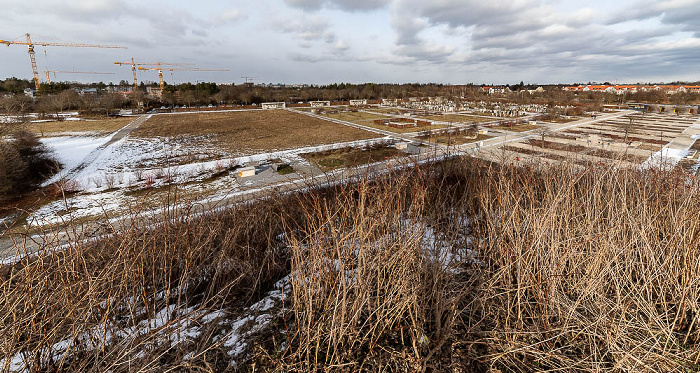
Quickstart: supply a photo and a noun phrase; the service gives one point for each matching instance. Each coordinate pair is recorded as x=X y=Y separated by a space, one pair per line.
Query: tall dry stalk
x=592 y=269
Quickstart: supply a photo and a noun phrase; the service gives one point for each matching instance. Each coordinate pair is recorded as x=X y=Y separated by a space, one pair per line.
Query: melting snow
x=72 y=150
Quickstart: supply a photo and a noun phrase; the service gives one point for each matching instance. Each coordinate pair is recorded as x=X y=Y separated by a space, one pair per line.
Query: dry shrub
x=12 y=170
x=572 y=269
x=586 y=270
x=24 y=163
x=373 y=283
x=77 y=309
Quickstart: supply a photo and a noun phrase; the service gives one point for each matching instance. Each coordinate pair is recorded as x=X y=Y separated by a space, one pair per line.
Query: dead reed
x=455 y=266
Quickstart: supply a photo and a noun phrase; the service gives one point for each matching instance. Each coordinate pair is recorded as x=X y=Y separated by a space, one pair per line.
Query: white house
x=320 y=103
x=273 y=105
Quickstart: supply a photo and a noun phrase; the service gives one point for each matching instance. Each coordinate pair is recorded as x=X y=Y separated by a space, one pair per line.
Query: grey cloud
x=348 y=5
x=305 y=57
x=306 y=28
x=231 y=15
x=683 y=14
x=425 y=52
x=526 y=33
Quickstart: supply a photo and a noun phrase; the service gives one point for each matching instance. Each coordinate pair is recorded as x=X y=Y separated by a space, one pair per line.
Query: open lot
x=518 y=127
x=403 y=130
x=93 y=126
x=454 y=139
x=247 y=132
x=354 y=116
x=351 y=157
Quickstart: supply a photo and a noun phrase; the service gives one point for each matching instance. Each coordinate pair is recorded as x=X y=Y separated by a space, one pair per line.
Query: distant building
x=388 y=102
x=320 y=103
x=496 y=89
x=153 y=91
x=86 y=91
x=358 y=102
x=273 y=105
x=401 y=145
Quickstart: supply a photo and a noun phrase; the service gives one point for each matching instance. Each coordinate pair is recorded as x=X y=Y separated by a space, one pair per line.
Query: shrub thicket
x=457 y=266
x=24 y=163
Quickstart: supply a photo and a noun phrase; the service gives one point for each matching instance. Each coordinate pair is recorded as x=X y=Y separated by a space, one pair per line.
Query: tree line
x=109 y=98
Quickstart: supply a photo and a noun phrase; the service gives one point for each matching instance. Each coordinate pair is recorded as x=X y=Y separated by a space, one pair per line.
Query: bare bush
x=24 y=163
x=138 y=173
x=456 y=266
x=110 y=180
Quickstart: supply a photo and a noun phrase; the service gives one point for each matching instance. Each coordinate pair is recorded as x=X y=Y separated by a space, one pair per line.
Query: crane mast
x=134 y=65
x=32 y=55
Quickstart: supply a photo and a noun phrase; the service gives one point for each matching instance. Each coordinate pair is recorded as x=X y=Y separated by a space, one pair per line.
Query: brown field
x=517 y=127
x=404 y=130
x=561 y=120
x=456 y=139
x=247 y=131
x=99 y=126
x=389 y=110
x=351 y=157
x=357 y=116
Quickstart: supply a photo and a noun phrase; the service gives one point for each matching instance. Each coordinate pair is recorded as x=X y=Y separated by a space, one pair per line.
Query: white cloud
x=231 y=15
x=348 y=5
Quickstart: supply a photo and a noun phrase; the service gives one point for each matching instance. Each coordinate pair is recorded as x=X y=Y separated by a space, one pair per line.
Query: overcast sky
x=387 y=41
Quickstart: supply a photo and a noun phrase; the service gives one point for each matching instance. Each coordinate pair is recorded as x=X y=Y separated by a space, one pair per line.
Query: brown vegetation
x=457 y=266
x=248 y=131
x=516 y=127
x=24 y=163
x=96 y=126
x=350 y=157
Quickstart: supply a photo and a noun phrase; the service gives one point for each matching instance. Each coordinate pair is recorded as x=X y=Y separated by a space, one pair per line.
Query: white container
x=246 y=171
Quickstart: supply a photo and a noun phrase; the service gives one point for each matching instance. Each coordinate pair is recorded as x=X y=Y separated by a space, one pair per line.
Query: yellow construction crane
x=48 y=79
x=32 y=56
x=135 y=64
x=161 y=68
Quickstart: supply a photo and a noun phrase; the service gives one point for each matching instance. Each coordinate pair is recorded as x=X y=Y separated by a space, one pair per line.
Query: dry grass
x=97 y=126
x=518 y=127
x=561 y=120
x=405 y=130
x=249 y=131
x=455 y=139
x=357 y=116
x=351 y=157
x=456 y=266
x=389 y=110
x=85 y=301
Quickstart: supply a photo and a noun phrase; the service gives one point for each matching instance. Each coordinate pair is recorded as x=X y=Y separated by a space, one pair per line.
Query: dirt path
x=118 y=135
x=7 y=246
